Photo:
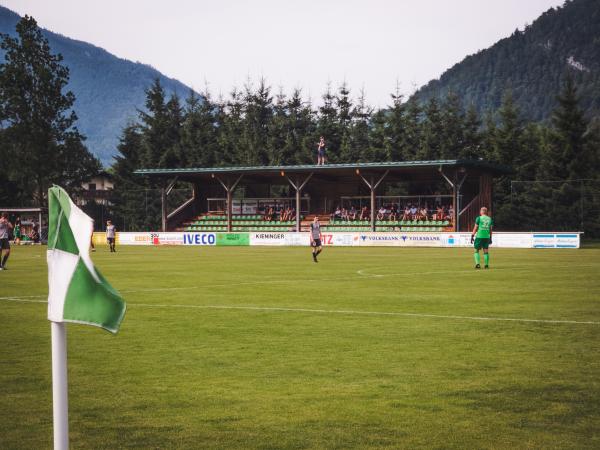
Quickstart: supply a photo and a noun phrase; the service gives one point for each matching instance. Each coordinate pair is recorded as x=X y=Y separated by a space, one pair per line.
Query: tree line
x=257 y=125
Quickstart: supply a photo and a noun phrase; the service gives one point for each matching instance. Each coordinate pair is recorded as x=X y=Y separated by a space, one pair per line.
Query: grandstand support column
x=455 y=185
x=164 y=192
x=229 y=189
x=298 y=185
x=163 y=209
x=373 y=185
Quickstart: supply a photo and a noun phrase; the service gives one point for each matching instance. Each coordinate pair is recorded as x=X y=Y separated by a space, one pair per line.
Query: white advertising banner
x=297 y=239
x=368 y=239
x=401 y=239
x=150 y=238
x=199 y=238
x=338 y=239
x=268 y=238
x=556 y=240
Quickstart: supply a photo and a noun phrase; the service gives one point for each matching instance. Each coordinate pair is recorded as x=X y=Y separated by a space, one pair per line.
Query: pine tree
x=569 y=156
x=278 y=132
x=413 y=134
x=136 y=207
x=453 y=127
x=302 y=130
x=394 y=131
x=328 y=127
x=155 y=126
x=172 y=155
x=41 y=145
x=472 y=138
x=199 y=140
x=357 y=148
x=433 y=133
x=258 y=113
x=231 y=130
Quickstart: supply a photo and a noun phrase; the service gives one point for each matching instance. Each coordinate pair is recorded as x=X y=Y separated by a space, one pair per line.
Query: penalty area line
x=339 y=311
x=366 y=313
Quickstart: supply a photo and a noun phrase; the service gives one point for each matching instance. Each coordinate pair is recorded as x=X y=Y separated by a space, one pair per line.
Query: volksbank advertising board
x=340 y=239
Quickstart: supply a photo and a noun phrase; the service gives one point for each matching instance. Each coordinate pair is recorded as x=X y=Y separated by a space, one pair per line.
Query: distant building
x=97 y=189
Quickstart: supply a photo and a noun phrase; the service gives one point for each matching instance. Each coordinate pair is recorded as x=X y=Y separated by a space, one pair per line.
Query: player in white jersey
x=315 y=238
x=110 y=235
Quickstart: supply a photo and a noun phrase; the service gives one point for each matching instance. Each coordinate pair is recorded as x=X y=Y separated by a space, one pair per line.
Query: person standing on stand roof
x=321 y=152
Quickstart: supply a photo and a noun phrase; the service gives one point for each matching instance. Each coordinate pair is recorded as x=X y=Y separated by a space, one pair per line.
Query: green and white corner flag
x=77 y=290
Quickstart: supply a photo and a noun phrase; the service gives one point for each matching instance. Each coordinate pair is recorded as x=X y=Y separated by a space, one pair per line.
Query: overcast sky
x=303 y=43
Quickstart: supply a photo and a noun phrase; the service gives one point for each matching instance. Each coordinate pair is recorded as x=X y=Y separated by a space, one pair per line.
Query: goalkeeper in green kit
x=482 y=238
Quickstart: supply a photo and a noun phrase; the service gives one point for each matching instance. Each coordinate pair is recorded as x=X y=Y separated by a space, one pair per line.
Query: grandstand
x=286 y=198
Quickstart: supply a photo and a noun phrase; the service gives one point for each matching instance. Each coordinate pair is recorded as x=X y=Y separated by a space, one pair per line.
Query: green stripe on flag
x=60 y=235
x=64 y=239
x=92 y=303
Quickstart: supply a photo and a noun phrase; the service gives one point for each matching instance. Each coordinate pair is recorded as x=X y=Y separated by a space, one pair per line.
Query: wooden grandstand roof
x=331 y=170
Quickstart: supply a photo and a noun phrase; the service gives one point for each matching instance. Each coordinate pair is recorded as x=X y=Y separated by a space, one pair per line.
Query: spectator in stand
x=393 y=213
x=345 y=215
x=270 y=213
x=439 y=213
x=450 y=215
x=337 y=214
x=382 y=212
x=413 y=212
x=423 y=213
x=364 y=213
x=352 y=213
x=406 y=214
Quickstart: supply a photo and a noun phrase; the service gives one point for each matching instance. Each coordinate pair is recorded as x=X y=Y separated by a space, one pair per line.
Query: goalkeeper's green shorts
x=481 y=243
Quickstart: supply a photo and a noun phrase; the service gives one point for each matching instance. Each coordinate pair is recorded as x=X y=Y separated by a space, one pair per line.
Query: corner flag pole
x=60 y=395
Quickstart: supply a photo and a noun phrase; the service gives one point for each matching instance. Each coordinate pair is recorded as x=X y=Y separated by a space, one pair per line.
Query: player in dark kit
x=5 y=227
x=315 y=238
x=481 y=238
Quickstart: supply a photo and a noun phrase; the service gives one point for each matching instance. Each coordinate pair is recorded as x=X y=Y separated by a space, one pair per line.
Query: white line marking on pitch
x=362 y=274
x=341 y=311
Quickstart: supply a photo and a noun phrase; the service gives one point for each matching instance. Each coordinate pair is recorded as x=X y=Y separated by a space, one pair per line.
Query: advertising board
x=341 y=239
x=268 y=238
x=232 y=239
x=400 y=239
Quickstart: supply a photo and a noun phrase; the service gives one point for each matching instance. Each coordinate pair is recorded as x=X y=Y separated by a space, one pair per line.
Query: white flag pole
x=60 y=395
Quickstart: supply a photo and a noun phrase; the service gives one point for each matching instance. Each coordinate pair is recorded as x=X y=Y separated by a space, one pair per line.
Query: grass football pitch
x=258 y=347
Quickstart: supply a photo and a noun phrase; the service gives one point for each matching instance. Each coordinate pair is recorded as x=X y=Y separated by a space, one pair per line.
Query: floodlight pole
x=229 y=189
x=60 y=393
x=298 y=185
x=373 y=185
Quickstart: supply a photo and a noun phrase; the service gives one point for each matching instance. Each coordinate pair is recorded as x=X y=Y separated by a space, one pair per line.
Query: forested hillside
x=108 y=90
x=255 y=126
x=532 y=63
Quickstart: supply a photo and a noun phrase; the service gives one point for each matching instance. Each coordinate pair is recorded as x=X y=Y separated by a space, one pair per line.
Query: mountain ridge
x=104 y=85
x=532 y=64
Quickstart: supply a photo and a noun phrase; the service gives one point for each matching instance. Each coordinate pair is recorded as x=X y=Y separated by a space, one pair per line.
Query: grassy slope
x=180 y=377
